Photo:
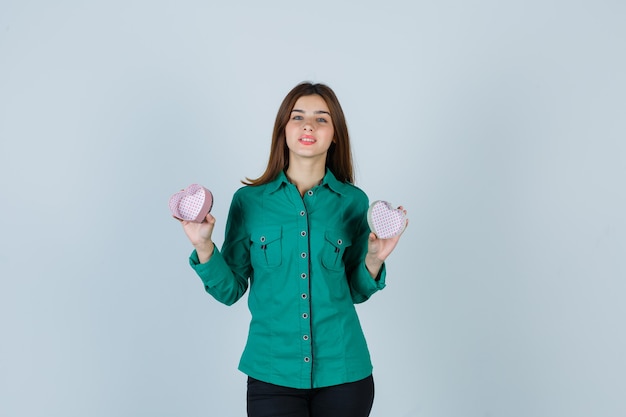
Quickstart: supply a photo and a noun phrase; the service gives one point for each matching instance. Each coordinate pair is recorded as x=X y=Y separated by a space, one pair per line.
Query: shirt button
x=310 y=192
x=302 y=213
x=303 y=275
x=304 y=296
x=303 y=233
x=305 y=337
x=307 y=359
x=262 y=239
x=339 y=242
x=303 y=255
x=305 y=316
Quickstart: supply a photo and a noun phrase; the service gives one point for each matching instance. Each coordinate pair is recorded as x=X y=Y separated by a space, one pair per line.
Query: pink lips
x=307 y=140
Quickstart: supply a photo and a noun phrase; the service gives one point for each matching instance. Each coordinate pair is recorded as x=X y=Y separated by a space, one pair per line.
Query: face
x=309 y=132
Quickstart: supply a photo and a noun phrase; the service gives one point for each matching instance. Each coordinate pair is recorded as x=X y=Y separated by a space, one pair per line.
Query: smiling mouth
x=307 y=139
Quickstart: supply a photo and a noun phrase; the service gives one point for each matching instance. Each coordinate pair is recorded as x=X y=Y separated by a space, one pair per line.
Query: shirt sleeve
x=218 y=279
x=225 y=275
x=362 y=285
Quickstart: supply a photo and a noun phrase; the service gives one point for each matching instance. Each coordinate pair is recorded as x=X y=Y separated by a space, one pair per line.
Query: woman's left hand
x=379 y=249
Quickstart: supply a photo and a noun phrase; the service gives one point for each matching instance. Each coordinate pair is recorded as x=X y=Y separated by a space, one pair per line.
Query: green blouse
x=304 y=259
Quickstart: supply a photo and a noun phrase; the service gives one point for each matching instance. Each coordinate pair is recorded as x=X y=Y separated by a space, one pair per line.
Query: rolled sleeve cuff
x=380 y=280
x=364 y=286
x=212 y=271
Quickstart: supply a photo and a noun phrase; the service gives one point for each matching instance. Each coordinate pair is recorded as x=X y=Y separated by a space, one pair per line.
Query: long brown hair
x=339 y=157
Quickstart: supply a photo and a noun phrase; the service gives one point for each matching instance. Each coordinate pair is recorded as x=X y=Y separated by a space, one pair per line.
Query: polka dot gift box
x=192 y=204
x=384 y=220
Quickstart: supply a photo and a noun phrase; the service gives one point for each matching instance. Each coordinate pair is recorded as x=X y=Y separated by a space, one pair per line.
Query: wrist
x=373 y=265
x=204 y=251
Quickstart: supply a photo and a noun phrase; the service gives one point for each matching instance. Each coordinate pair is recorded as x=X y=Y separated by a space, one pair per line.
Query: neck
x=304 y=176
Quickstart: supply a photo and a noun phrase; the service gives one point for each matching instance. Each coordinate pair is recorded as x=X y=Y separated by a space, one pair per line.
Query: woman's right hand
x=199 y=235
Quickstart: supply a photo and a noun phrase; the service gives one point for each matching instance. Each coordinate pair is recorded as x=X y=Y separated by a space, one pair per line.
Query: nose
x=308 y=126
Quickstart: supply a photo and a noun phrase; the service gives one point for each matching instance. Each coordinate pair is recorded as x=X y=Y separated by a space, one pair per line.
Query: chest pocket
x=335 y=244
x=266 y=249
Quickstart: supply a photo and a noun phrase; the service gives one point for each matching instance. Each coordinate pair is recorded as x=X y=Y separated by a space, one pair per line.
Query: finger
x=406 y=224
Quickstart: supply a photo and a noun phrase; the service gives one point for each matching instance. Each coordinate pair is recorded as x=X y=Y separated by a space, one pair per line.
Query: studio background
x=498 y=125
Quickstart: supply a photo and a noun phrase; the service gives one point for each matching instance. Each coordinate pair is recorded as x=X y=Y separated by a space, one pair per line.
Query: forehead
x=311 y=103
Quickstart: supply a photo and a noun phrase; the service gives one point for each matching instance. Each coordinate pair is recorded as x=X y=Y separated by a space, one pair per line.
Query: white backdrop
x=498 y=125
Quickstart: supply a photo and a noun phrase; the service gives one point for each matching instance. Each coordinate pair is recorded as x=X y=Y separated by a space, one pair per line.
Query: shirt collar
x=332 y=182
x=329 y=179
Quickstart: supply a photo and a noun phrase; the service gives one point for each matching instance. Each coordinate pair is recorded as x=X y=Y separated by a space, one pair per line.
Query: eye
x=321 y=120
x=296 y=117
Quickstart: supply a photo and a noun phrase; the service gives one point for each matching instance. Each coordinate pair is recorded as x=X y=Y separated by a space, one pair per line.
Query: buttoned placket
x=306 y=336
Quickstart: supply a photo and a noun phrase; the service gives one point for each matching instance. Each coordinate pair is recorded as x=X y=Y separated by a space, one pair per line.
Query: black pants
x=354 y=399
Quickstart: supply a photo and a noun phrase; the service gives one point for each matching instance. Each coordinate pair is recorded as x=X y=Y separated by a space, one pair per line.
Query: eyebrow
x=315 y=112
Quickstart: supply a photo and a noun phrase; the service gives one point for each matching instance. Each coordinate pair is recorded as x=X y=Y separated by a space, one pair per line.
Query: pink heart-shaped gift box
x=384 y=220
x=191 y=204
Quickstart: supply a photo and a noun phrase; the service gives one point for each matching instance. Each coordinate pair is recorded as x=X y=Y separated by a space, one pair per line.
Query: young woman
x=298 y=236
